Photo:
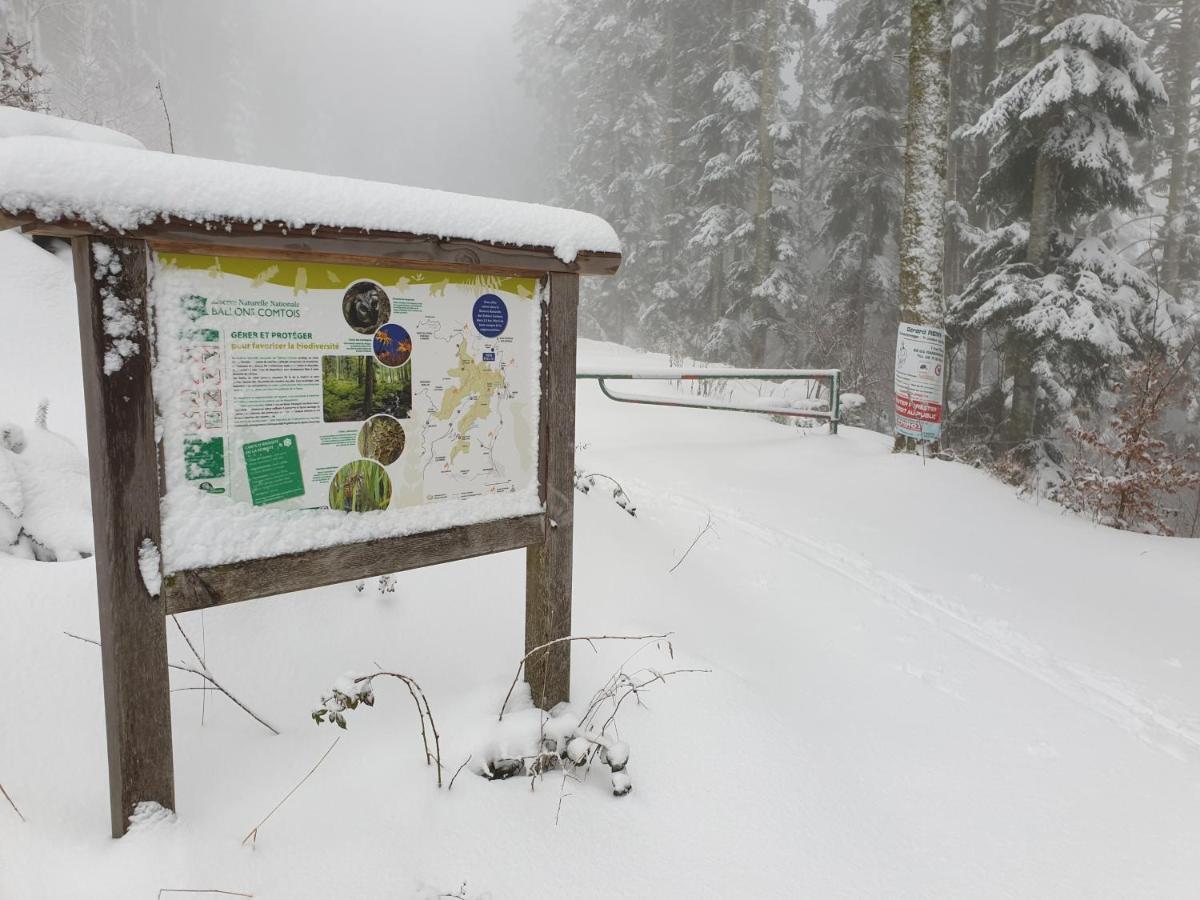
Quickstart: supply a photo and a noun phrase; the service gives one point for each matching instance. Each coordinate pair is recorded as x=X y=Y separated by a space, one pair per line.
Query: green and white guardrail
x=831 y=413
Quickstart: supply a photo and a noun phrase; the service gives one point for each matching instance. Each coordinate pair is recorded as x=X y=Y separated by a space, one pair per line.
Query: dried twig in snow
x=253 y=833
x=13 y=805
x=167 y=114
x=707 y=527
x=450 y=786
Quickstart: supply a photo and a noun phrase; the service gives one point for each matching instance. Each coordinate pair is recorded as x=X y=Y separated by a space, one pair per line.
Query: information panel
x=354 y=389
x=920 y=357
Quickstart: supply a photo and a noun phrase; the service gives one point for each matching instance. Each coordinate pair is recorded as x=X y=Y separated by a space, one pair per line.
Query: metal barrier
x=832 y=415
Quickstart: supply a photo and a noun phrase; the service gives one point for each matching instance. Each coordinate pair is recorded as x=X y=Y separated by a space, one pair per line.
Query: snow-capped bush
x=45 y=499
x=585 y=481
x=353 y=689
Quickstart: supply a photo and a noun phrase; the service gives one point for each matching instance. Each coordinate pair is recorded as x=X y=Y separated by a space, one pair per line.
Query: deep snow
x=922 y=685
x=22 y=122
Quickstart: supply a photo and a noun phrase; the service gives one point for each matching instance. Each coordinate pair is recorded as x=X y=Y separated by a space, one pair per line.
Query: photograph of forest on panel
x=354 y=388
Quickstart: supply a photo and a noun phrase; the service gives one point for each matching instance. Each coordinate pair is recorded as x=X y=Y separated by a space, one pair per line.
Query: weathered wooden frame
x=126 y=482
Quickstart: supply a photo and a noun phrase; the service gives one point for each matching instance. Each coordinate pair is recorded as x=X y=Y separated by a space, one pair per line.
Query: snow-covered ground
x=921 y=685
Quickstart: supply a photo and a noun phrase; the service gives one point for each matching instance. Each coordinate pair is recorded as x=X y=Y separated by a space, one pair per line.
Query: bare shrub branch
x=594 y=734
x=203 y=673
x=590 y=639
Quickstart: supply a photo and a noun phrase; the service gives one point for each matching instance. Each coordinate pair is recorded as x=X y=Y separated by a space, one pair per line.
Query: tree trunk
x=369 y=388
x=973 y=374
x=973 y=364
x=763 y=245
x=670 y=200
x=804 y=75
x=923 y=226
x=716 y=282
x=721 y=302
x=952 y=265
x=768 y=85
x=1021 y=352
x=1187 y=49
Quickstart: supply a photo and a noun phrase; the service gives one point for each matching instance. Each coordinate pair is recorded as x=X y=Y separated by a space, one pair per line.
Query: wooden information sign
x=272 y=409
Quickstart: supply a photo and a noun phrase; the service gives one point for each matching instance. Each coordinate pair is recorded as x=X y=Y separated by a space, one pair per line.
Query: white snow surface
x=123 y=188
x=41 y=352
x=55 y=493
x=21 y=122
x=201 y=529
x=921 y=685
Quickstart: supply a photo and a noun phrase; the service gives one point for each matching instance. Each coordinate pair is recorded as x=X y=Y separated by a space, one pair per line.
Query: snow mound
x=123 y=188
x=149 y=815
x=41 y=356
x=23 y=123
x=45 y=499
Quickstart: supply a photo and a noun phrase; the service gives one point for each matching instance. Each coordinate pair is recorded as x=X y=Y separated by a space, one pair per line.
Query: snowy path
x=987 y=700
x=1101 y=692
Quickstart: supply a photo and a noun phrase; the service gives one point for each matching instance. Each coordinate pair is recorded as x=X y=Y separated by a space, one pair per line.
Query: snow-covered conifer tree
x=594 y=63
x=679 y=128
x=861 y=182
x=746 y=224
x=976 y=29
x=1070 y=306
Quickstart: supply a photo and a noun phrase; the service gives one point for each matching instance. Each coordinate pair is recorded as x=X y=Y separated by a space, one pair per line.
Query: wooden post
x=112 y=282
x=548 y=565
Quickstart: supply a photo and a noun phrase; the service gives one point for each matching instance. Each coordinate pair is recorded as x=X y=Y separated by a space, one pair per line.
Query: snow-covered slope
x=41 y=337
x=21 y=122
x=921 y=686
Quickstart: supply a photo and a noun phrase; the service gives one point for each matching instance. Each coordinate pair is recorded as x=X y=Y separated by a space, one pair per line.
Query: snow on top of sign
x=23 y=123
x=124 y=188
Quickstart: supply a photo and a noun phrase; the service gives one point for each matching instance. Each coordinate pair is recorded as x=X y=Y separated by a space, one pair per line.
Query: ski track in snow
x=1097 y=691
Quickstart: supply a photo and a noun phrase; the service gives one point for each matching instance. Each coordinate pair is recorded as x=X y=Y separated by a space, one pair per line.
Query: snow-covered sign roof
x=122 y=188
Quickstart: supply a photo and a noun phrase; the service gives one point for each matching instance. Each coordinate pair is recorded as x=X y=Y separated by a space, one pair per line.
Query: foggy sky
x=420 y=92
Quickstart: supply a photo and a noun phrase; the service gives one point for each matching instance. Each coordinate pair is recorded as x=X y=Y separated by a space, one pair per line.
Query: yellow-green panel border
x=313 y=276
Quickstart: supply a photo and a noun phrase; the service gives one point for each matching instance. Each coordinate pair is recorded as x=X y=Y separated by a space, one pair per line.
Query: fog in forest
x=419 y=93
x=792 y=181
